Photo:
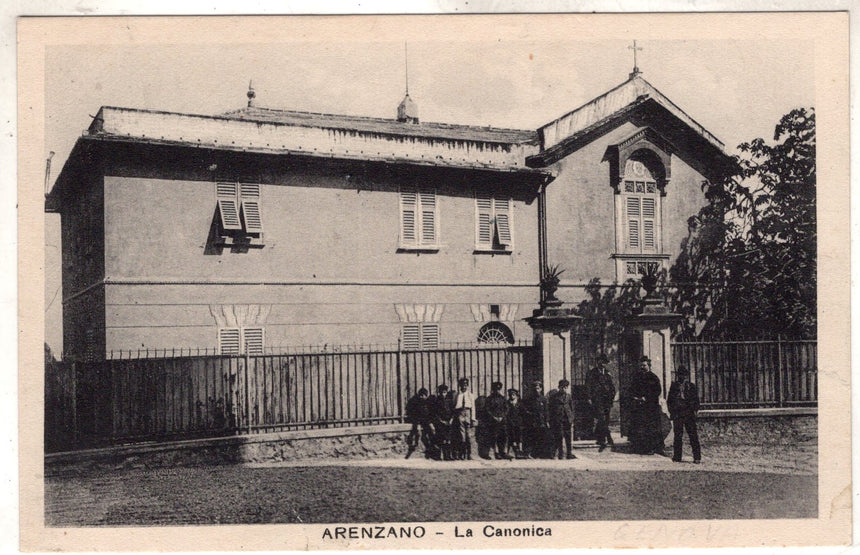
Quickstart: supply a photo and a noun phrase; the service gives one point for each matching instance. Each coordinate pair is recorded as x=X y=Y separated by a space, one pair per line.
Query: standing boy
x=561 y=419
x=514 y=424
x=536 y=421
x=683 y=404
x=464 y=412
x=497 y=409
x=441 y=415
x=418 y=414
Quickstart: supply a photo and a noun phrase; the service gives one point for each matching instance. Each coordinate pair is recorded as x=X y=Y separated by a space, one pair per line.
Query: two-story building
x=260 y=229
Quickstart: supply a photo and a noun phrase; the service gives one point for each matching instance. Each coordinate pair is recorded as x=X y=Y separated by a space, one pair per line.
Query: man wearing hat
x=497 y=408
x=644 y=395
x=683 y=404
x=561 y=419
x=535 y=421
x=601 y=394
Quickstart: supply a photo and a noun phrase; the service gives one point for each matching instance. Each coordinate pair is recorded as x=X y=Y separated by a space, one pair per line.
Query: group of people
x=540 y=426
x=508 y=426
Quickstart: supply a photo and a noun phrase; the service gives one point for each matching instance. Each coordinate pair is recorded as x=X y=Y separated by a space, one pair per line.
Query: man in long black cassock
x=644 y=395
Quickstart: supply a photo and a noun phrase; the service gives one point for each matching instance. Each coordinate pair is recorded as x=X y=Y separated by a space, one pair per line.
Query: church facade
x=263 y=229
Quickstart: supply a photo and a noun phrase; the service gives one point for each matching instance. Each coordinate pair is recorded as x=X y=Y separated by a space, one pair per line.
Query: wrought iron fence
x=126 y=400
x=736 y=374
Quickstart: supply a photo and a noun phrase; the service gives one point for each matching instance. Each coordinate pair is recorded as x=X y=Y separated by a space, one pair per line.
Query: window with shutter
x=493 y=223
x=411 y=337
x=428 y=218
x=252 y=341
x=418 y=219
x=229 y=341
x=227 y=206
x=429 y=336
x=485 y=222
x=251 y=214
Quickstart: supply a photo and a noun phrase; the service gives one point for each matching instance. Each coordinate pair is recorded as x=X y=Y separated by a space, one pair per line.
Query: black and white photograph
x=537 y=280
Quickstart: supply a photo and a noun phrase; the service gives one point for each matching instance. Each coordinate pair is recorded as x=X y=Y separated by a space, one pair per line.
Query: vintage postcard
x=396 y=282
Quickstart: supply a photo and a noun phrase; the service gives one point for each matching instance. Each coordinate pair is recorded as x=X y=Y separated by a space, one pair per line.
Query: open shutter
x=408 y=217
x=411 y=339
x=252 y=339
x=648 y=220
x=485 y=222
x=503 y=222
x=428 y=218
x=429 y=336
x=228 y=341
x=633 y=215
x=227 y=206
x=251 y=215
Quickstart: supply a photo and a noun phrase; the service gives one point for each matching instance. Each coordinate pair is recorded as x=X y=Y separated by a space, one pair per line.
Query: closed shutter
x=228 y=341
x=408 y=219
x=252 y=339
x=429 y=336
x=428 y=218
x=227 y=206
x=648 y=223
x=411 y=336
x=503 y=222
x=251 y=214
x=485 y=222
x=633 y=215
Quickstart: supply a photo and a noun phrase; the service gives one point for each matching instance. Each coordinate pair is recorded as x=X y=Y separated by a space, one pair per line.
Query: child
x=418 y=414
x=464 y=414
x=442 y=416
x=514 y=424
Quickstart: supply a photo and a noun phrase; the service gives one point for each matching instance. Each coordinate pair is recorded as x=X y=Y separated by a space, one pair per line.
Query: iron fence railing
x=125 y=400
x=737 y=374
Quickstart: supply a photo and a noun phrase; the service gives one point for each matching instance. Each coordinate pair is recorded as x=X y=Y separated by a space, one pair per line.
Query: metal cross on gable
x=634 y=48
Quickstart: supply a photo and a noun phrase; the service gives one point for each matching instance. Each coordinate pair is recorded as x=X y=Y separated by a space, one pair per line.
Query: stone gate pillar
x=551 y=327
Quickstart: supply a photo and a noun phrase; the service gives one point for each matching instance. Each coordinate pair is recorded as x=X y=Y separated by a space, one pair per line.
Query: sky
x=736 y=89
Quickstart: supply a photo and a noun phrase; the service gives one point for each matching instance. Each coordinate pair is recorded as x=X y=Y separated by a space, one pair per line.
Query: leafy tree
x=748 y=264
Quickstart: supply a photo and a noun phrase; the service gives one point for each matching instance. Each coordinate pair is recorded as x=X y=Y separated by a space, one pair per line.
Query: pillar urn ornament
x=549 y=285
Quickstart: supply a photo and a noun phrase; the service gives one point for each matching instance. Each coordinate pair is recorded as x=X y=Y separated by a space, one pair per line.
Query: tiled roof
x=384 y=126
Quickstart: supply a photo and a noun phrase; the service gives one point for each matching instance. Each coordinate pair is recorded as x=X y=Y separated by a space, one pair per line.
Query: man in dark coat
x=601 y=395
x=644 y=394
x=418 y=414
x=561 y=420
x=442 y=417
x=496 y=408
x=535 y=421
x=683 y=404
x=514 y=424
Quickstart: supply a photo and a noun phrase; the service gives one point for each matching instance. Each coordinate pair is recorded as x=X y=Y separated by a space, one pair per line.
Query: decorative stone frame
x=647 y=146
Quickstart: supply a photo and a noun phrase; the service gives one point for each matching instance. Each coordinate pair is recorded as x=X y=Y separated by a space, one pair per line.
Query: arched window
x=495 y=332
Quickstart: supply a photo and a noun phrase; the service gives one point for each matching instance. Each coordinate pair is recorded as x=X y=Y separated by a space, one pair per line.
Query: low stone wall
x=777 y=426
x=366 y=442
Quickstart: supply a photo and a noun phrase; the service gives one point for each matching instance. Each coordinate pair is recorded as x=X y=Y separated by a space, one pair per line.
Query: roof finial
x=407 y=112
x=251 y=94
x=636 y=70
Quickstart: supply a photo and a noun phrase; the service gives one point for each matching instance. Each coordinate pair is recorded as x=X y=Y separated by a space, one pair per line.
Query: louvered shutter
x=408 y=219
x=648 y=222
x=227 y=206
x=252 y=339
x=485 y=221
x=228 y=341
x=503 y=222
x=251 y=214
x=411 y=339
x=428 y=218
x=633 y=215
x=429 y=336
